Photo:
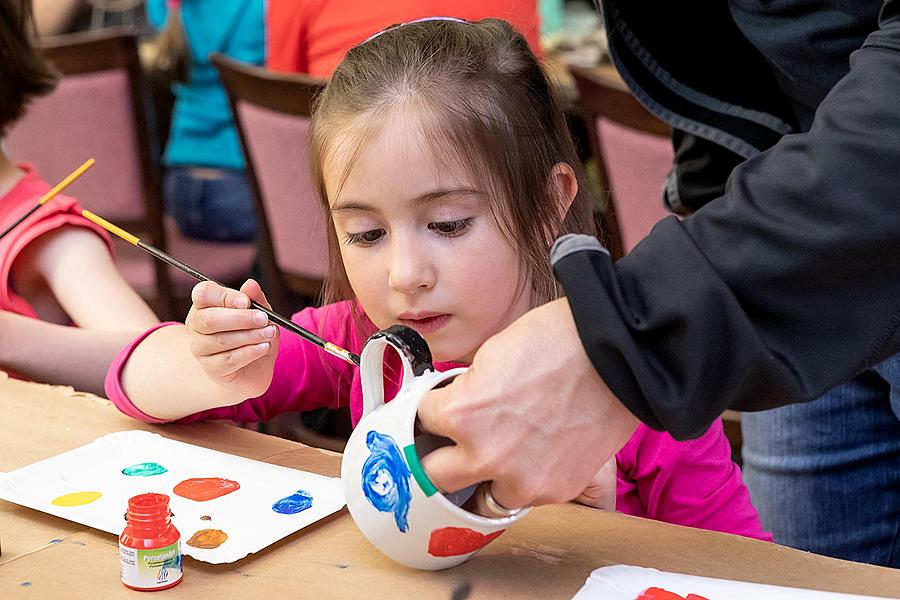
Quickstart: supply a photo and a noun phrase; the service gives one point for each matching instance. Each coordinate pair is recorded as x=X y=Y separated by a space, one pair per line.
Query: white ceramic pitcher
x=388 y=493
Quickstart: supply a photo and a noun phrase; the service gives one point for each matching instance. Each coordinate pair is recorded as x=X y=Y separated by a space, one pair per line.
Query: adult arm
x=782 y=288
x=778 y=290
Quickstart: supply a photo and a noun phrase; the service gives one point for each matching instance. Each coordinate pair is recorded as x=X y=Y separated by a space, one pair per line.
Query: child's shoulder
x=27 y=191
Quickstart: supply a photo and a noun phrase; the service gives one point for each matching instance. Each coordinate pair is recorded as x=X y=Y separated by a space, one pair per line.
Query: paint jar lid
x=148 y=510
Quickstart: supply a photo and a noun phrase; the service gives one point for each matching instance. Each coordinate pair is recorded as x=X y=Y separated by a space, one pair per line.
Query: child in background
x=204 y=185
x=56 y=266
x=446 y=171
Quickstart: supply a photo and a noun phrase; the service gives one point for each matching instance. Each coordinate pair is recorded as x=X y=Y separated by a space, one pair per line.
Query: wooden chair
x=634 y=154
x=100 y=108
x=272 y=112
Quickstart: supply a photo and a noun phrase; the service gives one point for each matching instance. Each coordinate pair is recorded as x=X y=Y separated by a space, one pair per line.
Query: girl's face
x=419 y=242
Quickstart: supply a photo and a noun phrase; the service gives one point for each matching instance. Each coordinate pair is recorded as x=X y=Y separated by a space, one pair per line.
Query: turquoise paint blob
x=145 y=469
x=296 y=502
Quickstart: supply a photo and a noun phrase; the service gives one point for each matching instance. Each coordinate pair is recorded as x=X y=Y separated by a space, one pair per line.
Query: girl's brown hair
x=24 y=73
x=492 y=111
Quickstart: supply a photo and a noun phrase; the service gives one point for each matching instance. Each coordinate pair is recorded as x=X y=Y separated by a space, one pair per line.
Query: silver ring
x=490 y=507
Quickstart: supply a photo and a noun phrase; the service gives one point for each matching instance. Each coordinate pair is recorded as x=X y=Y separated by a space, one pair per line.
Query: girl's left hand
x=601 y=493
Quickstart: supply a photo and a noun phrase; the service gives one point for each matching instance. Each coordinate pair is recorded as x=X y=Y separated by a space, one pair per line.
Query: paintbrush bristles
x=131 y=239
x=341 y=353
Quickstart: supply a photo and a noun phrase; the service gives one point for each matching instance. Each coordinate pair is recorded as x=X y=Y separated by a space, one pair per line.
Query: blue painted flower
x=385 y=478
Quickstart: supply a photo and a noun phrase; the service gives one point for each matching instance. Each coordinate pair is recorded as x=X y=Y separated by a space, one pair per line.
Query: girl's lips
x=426 y=324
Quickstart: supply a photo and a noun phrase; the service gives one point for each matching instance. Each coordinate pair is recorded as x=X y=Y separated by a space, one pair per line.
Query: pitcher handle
x=414 y=354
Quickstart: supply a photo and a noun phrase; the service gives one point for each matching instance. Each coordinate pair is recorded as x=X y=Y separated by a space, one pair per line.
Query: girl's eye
x=451 y=228
x=365 y=238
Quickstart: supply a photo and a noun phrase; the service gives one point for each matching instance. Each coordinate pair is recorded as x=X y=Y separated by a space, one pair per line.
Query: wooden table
x=547 y=555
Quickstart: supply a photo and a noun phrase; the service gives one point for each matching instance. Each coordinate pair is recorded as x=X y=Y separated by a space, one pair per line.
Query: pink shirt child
x=58 y=212
x=691 y=483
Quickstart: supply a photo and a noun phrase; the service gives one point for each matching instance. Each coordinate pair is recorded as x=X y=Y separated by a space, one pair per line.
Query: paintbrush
x=273 y=316
x=52 y=193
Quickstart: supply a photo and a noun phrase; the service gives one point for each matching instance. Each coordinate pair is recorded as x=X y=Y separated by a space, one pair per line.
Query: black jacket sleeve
x=785 y=286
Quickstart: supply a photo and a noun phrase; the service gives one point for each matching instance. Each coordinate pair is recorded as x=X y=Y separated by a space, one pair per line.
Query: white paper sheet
x=622 y=582
x=245 y=515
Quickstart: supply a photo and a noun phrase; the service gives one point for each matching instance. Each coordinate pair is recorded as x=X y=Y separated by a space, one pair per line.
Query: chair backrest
x=98 y=110
x=272 y=112
x=634 y=154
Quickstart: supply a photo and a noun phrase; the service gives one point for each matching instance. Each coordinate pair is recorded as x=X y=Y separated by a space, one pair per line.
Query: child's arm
x=692 y=483
x=58 y=354
x=76 y=267
x=223 y=355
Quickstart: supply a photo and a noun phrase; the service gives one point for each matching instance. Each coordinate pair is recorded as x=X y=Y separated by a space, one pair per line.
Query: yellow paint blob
x=76 y=499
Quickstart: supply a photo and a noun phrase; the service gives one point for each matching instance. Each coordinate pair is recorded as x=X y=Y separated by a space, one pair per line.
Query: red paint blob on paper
x=202 y=489
x=455 y=541
x=656 y=593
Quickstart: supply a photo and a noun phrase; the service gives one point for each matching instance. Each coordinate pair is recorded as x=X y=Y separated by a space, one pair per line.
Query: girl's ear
x=564 y=186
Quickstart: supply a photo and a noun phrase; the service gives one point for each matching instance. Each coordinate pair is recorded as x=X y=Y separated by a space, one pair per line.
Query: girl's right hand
x=235 y=344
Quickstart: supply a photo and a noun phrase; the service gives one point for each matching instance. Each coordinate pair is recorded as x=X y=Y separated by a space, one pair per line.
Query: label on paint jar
x=149 y=569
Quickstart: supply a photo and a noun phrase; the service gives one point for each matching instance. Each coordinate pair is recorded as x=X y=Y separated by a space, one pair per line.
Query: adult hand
x=531 y=414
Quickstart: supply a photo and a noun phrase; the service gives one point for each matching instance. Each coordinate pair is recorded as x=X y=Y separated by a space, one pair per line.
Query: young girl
x=56 y=266
x=446 y=171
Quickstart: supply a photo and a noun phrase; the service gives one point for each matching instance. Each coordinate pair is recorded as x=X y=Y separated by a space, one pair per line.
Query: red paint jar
x=150 y=546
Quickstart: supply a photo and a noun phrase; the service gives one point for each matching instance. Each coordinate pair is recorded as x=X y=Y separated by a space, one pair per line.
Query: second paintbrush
x=273 y=316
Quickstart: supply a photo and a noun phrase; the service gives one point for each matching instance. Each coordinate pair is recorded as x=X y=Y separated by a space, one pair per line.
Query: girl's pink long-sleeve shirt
x=692 y=483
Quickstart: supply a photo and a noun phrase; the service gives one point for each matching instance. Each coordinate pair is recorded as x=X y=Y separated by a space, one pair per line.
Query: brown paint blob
x=206 y=518
x=202 y=489
x=207 y=539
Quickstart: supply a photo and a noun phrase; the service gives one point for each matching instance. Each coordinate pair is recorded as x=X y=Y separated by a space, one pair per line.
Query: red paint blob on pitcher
x=201 y=489
x=456 y=541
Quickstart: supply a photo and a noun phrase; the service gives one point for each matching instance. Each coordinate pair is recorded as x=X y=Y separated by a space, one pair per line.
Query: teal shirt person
x=202 y=133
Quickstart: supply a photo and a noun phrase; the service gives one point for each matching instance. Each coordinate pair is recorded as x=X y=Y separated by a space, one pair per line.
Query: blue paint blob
x=385 y=478
x=145 y=469
x=296 y=502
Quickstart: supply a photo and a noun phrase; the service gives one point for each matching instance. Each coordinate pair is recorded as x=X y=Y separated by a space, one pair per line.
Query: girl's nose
x=411 y=270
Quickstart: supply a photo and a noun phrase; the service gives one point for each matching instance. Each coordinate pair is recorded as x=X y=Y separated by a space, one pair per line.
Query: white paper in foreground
x=626 y=583
x=246 y=515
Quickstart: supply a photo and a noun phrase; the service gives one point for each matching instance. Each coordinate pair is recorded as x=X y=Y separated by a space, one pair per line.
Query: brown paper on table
x=549 y=554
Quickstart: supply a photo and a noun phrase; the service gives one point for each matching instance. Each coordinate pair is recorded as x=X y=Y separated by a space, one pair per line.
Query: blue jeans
x=210 y=204
x=825 y=476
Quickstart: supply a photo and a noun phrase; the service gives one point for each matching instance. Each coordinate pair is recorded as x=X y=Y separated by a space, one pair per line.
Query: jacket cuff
x=583 y=266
